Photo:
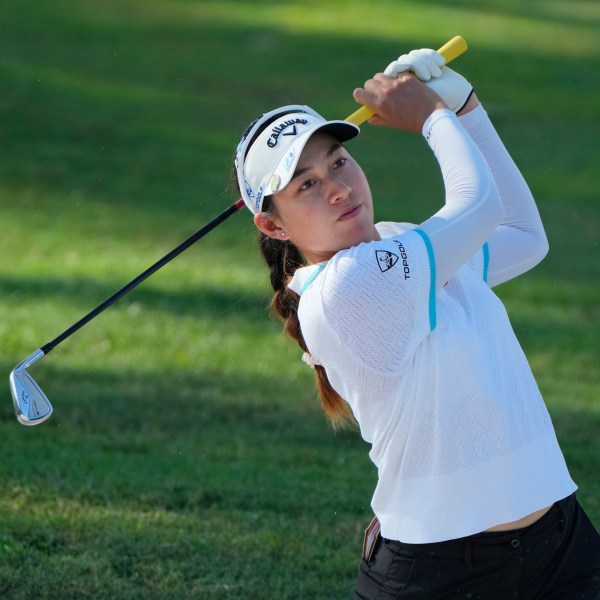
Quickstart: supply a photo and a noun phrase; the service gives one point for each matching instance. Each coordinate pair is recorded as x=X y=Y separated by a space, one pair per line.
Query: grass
x=187 y=456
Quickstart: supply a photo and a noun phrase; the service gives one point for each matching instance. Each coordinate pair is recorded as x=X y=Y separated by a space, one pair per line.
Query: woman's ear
x=270 y=226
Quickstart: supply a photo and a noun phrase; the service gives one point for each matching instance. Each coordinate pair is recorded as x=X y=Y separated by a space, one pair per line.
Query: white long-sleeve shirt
x=413 y=338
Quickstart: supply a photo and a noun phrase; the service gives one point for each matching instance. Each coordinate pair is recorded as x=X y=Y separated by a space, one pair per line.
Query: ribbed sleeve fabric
x=472 y=209
x=519 y=242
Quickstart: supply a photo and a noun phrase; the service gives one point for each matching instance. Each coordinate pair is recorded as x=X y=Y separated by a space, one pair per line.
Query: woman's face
x=326 y=207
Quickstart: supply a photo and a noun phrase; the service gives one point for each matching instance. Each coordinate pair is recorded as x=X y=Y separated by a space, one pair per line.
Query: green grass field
x=187 y=456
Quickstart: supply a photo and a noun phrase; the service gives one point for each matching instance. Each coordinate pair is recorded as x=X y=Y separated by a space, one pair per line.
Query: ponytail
x=283 y=258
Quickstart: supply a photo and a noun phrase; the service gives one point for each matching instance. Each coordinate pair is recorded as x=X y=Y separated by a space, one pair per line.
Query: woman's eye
x=307 y=184
x=340 y=162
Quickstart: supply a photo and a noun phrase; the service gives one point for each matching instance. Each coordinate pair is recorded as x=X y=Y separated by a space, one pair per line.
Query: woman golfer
x=406 y=337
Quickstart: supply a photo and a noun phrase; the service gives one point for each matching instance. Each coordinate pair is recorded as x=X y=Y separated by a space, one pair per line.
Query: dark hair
x=283 y=258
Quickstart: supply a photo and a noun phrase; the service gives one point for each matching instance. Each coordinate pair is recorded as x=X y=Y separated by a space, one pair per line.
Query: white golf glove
x=427 y=65
x=424 y=63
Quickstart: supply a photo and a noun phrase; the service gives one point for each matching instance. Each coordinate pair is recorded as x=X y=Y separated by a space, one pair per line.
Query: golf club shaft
x=450 y=50
x=142 y=276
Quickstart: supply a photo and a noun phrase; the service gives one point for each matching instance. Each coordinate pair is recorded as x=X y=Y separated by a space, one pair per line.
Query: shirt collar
x=304 y=276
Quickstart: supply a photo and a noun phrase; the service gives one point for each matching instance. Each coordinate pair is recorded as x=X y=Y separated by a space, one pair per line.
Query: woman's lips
x=351 y=213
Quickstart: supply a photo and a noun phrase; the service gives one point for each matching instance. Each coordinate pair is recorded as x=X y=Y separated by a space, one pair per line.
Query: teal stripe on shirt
x=486 y=261
x=432 y=277
x=312 y=278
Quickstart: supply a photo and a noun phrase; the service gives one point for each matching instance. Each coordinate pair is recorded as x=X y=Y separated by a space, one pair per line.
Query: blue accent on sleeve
x=486 y=261
x=312 y=277
x=432 y=311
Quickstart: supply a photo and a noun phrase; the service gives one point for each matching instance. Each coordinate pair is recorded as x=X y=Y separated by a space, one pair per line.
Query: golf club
x=31 y=405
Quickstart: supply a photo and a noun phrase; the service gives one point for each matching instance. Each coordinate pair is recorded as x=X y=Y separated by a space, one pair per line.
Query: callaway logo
x=279 y=130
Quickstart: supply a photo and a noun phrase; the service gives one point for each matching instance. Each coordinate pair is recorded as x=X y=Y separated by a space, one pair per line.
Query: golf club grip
x=450 y=50
x=142 y=276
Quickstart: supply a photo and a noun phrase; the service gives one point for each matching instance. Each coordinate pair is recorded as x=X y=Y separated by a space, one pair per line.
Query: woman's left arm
x=519 y=242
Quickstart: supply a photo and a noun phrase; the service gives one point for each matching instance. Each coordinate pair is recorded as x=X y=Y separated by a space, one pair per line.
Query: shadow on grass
x=203 y=300
x=196 y=418
x=187 y=441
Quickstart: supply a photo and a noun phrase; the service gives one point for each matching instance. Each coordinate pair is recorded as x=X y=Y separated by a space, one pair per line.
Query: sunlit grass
x=534 y=28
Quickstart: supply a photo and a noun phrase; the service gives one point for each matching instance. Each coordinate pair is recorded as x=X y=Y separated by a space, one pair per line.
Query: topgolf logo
x=386 y=260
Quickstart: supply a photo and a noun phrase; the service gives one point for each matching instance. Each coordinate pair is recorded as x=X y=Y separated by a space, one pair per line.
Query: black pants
x=556 y=558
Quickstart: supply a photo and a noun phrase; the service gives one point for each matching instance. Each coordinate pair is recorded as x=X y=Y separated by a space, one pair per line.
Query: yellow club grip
x=450 y=50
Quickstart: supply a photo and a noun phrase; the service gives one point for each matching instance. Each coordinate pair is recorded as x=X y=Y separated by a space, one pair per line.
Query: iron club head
x=30 y=403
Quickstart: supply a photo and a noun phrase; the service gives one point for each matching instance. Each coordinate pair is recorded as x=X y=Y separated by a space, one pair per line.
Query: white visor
x=268 y=165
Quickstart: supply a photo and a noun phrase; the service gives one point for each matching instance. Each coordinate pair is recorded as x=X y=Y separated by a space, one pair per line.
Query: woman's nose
x=337 y=190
